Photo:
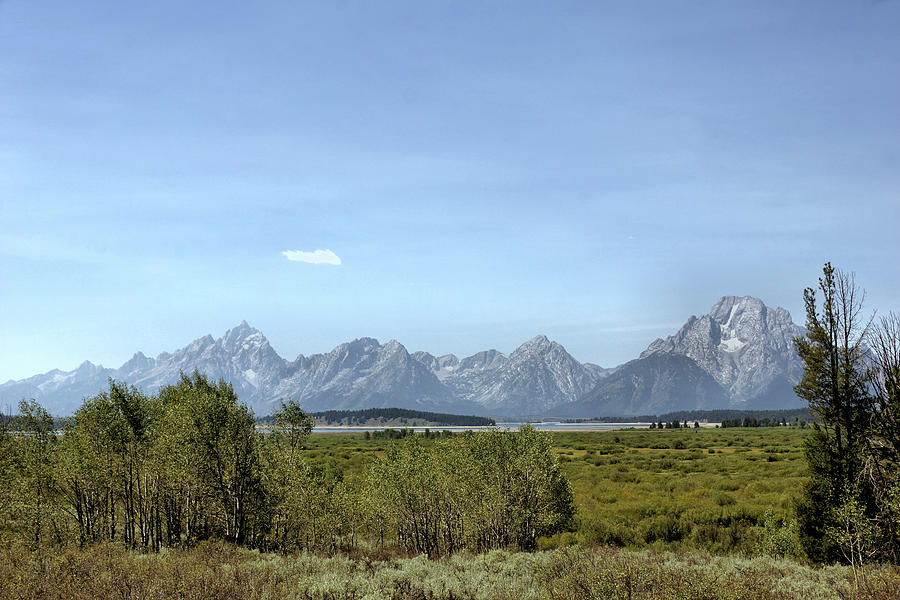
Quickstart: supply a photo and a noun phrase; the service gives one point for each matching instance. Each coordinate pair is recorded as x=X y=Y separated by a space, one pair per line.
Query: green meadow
x=703 y=489
x=671 y=514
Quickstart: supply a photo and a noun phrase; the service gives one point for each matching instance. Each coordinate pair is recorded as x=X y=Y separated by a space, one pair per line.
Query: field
x=661 y=514
x=706 y=489
x=698 y=488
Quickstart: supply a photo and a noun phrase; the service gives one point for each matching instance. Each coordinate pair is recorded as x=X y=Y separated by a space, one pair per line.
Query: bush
x=663 y=528
x=723 y=499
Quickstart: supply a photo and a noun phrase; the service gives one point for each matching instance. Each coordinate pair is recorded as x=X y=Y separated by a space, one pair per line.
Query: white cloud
x=317 y=257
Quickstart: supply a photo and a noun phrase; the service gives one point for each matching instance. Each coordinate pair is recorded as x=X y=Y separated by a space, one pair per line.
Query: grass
x=699 y=489
x=218 y=571
x=706 y=489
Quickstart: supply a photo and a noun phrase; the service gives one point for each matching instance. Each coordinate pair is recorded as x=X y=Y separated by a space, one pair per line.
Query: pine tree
x=835 y=385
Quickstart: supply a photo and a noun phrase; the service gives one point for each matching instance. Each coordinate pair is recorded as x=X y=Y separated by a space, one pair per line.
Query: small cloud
x=316 y=257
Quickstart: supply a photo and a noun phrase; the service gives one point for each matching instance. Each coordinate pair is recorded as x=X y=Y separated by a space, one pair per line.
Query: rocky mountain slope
x=745 y=346
x=364 y=374
x=740 y=355
x=60 y=392
x=535 y=379
x=656 y=384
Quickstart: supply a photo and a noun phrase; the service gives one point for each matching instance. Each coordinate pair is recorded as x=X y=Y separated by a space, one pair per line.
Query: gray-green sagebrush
x=217 y=571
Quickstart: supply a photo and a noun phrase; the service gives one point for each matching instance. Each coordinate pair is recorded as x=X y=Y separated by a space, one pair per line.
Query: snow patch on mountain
x=744 y=344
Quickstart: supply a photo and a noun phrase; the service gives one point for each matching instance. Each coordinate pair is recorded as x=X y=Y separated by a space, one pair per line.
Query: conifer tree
x=835 y=385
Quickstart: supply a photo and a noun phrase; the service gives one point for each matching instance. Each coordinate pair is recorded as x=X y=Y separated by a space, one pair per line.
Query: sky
x=454 y=175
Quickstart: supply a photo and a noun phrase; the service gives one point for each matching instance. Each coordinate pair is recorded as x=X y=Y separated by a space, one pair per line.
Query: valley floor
x=690 y=514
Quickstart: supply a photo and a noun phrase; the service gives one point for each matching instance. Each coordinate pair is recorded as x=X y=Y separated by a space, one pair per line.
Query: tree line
x=764 y=422
x=188 y=464
x=361 y=417
x=790 y=415
x=396 y=434
x=712 y=415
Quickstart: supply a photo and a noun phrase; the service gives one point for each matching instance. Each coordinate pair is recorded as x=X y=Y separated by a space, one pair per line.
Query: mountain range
x=739 y=355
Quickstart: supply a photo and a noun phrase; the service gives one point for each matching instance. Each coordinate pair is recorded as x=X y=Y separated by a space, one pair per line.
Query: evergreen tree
x=884 y=437
x=835 y=385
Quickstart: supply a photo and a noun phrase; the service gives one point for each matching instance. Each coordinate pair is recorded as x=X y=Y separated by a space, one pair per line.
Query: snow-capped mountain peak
x=745 y=345
x=741 y=354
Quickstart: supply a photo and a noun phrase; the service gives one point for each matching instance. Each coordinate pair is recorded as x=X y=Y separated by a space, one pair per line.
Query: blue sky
x=483 y=171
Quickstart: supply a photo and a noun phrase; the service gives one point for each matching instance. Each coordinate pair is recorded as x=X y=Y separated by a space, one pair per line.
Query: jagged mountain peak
x=482 y=360
x=539 y=343
x=726 y=304
x=136 y=362
x=243 y=334
x=361 y=342
x=395 y=351
x=538 y=376
x=442 y=366
x=242 y=326
x=366 y=374
x=393 y=346
x=196 y=346
x=747 y=312
x=88 y=367
x=742 y=343
x=242 y=329
x=538 y=340
x=744 y=347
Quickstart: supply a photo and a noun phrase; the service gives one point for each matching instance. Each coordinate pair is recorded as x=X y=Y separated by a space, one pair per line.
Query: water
x=549 y=425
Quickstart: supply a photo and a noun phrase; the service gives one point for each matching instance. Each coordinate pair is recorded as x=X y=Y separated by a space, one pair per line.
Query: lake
x=513 y=425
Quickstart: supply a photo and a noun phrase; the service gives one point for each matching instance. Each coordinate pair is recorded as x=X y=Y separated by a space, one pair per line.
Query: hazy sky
x=481 y=171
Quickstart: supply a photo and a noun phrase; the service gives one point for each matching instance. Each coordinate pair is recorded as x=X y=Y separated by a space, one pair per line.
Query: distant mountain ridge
x=740 y=355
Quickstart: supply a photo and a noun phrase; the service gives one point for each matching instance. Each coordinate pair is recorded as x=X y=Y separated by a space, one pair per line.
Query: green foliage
x=385 y=416
x=852 y=531
x=778 y=537
x=103 y=469
x=714 y=492
x=223 y=466
x=8 y=470
x=291 y=427
x=884 y=434
x=37 y=485
x=480 y=491
x=169 y=471
x=849 y=381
